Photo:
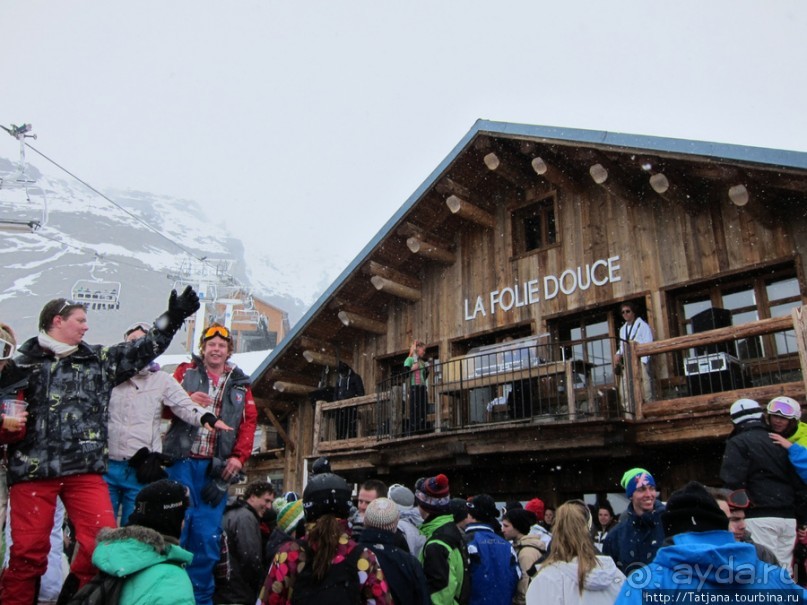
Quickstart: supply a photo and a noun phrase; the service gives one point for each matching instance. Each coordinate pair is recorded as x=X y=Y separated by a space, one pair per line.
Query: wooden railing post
x=637 y=378
x=800 y=328
x=317 y=427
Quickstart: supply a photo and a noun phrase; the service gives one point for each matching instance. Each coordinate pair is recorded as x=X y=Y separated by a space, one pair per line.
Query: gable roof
x=603 y=140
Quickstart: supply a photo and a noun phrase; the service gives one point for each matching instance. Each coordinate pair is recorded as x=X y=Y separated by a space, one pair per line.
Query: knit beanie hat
x=483 y=508
x=641 y=479
x=402 y=496
x=161 y=506
x=290 y=515
x=744 y=410
x=630 y=474
x=536 y=507
x=521 y=520
x=432 y=493
x=691 y=509
x=382 y=513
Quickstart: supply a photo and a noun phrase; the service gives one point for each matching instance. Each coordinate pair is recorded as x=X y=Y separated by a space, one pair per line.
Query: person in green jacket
x=445 y=554
x=784 y=418
x=147 y=550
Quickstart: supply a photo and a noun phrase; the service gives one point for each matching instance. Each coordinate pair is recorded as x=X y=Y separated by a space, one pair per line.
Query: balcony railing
x=541 y=383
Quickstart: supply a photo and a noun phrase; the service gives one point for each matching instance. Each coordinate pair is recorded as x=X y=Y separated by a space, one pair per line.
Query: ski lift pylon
x=23 y=203
x=97 y=294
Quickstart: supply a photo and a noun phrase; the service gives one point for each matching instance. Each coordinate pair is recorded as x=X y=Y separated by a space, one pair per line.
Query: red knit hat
x=536 y=507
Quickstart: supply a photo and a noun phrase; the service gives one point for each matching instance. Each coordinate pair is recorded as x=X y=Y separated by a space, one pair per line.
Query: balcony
x=517 y=391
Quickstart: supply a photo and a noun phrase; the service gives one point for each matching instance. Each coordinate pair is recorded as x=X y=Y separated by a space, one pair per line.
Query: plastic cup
x=13 y=410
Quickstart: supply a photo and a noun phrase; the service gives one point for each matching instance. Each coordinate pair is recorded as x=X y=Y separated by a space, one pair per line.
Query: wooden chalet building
x=510 y=262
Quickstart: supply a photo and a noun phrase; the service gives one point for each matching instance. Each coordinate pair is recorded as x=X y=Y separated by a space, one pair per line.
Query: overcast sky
x=303 y=126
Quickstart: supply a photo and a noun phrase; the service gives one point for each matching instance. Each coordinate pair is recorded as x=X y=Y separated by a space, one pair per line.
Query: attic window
x=534 y=226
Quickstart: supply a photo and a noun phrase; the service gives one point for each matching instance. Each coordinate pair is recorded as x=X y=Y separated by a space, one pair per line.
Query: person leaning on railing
x=418 y=386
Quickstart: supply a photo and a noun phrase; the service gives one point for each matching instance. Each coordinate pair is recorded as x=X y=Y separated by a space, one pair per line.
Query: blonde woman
x=574 y=572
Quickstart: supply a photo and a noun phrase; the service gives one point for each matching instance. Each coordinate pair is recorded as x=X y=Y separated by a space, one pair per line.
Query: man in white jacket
x=135 y=442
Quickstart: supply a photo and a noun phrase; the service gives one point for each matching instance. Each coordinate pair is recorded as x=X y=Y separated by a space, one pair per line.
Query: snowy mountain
x=87 y=238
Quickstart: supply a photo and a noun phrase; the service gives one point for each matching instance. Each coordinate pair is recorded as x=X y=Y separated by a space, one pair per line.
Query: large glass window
x=772 y=293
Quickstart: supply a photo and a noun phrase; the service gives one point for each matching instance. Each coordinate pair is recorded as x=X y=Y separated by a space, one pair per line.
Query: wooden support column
x=354 y=320
x=319 y=358
x=431 y=251
x=383 y=284
x=468 y=211
x=291 y=388
x=552 y=174
x=799 y=315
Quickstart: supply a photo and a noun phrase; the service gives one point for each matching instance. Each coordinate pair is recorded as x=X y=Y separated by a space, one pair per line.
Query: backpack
x=103 y=589
x=106 y=589
x=340 y=586
x=450 y=538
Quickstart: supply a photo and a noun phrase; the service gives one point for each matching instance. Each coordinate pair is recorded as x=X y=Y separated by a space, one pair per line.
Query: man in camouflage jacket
x=64 y=451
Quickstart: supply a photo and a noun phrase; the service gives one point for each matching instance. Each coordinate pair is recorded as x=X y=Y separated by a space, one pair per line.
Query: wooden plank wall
x=660 y=245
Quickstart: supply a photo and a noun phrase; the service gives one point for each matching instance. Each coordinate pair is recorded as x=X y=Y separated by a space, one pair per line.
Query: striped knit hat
x=432 y=494
x=290 y=516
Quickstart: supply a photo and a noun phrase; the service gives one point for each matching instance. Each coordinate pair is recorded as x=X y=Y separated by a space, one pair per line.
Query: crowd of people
x=153 y=521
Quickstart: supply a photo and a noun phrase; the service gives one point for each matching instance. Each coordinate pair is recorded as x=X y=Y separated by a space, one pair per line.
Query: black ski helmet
x=326 y=493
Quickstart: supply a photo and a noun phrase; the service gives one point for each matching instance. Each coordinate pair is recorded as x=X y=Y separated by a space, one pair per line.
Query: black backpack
x=103 y=589
x=340 y=586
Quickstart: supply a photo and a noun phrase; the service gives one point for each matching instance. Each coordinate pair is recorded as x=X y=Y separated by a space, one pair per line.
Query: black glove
x=182 y=306
x=214 y=492
x=149 y=465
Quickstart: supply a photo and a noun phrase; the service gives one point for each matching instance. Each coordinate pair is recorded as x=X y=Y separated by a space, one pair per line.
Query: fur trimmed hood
x=126 y=550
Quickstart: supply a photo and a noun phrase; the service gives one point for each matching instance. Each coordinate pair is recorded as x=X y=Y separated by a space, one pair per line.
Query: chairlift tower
x=19 y=211
x=213 y=281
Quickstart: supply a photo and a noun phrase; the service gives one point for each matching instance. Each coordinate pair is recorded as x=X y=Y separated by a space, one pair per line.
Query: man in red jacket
x=208 y=461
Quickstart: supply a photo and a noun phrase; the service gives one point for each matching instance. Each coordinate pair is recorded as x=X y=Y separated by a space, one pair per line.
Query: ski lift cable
x=88 y=251
x=118 y=206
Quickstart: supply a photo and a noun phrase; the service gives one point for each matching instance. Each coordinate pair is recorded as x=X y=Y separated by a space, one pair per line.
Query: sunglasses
x=738 y=499
x=216 y=331
x=626 y=311
x=6 y=349
x=68 y=303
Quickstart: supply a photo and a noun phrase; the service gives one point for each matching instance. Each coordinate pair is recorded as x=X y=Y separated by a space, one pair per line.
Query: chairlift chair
x=97 y=294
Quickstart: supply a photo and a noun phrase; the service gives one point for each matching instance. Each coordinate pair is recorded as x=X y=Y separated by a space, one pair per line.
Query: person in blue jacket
x=795 y=452
x=704 y=558
x=638 y=535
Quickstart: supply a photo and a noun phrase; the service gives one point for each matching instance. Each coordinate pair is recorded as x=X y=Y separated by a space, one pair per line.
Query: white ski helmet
x=743 y=410
x=785 y=407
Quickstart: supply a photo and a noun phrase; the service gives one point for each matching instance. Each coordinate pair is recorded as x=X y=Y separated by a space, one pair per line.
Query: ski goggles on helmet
x=213 y=331
x=784 y=406
x=738 y=499
x=139 y=326
x=7 y=349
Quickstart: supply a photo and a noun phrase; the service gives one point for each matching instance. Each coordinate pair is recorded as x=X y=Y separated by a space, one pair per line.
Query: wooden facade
x=536 y=232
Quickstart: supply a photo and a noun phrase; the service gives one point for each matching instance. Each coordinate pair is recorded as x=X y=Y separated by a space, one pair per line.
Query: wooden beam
x=319 y=358
x=447 y=186
x=552 y=174
x=354 y=320
x=376 y=268
x=506 y=166
x=756 y=202
x=291 y=388
x=603 y=175
x=382 y=284
x=431 y=251
x=279 y=428
x=315 y=344
x=673 y=190
x=468 y=211
x=800 y=328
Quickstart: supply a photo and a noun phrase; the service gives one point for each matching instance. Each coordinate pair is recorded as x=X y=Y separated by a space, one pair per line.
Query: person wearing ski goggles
x=784 y=418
